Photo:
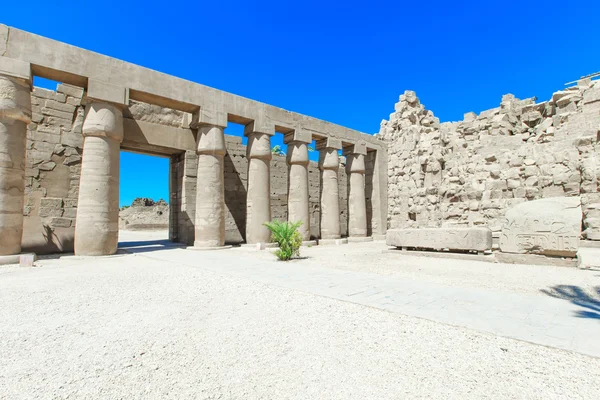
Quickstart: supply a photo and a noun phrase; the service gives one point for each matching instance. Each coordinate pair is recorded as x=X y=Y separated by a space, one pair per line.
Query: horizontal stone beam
x=70 y=64
x=476 y=239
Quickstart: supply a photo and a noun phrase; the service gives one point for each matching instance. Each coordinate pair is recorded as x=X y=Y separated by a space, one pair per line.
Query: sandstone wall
x=54 y=151
x=54 y=148
x=469 y=173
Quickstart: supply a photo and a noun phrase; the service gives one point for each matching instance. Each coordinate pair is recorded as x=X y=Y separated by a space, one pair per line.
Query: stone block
x=70 y=90
x=58 y=114
x=49 y=94
x=51 y=202
x=27 y=259
x=72 y=140
x=59 y=222
x=55 y=105
x=476 y=239
x=546 y=226
x=47 y=166
x=70 y=213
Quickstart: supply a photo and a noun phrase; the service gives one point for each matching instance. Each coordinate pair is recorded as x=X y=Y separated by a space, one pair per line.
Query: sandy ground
x=132 y=327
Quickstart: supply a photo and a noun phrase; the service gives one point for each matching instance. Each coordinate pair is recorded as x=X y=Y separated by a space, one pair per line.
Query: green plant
x=277 y=150
x=287 y=236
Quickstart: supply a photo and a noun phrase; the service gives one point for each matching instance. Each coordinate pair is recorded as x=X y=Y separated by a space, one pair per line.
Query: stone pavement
x=537 y=318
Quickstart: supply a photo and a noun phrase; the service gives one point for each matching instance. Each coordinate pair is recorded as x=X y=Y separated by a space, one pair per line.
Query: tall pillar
x=329 y=163
x=15 y=115
x=97 y=224
x=210 y=188
x=297 y=159
x=357 y=205
x=258 y=201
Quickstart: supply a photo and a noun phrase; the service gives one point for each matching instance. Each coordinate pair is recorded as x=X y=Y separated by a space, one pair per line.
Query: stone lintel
x=15 y=68
x=329 y=143
x=476 y=239
x=298 y=135
x=356 y=148
x=106 y=92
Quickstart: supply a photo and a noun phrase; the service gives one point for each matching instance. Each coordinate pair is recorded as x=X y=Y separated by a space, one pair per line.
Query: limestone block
x=49 y=94
x=476 y=239
x=59 y=222
x=70 y=90
x=591 y=96
x=547 y=226
x=72 y=140
x=47 y=166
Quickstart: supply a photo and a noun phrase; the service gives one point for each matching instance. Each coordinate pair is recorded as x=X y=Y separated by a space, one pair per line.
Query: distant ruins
x=522 y=177
x=144 y=215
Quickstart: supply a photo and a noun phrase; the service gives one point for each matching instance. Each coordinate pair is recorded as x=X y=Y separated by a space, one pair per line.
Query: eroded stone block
x=547 y=226
x=476 y=239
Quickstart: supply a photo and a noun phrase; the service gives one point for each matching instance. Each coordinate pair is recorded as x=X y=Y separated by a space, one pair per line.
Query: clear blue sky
x=340 y=61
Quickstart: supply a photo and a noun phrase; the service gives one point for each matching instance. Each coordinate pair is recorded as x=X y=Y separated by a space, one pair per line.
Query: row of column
x=210 y=197
x=96 y=231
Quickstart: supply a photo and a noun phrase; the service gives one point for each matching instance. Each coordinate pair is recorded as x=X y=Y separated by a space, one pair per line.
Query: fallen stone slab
x=588 y=257
x=474 y=239
x=547 y=226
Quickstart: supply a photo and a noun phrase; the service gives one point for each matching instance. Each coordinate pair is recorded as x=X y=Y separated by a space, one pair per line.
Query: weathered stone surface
x=476 y=239
x=547 y=226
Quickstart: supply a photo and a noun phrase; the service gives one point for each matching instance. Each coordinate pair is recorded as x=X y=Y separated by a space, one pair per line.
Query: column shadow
x=235 y=196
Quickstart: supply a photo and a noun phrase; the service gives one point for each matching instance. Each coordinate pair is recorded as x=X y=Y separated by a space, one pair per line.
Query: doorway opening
x=146 y=217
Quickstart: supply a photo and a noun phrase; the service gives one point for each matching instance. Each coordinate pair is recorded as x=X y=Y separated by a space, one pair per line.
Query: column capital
x=359 y=147
x=211 y=140
x=259 y=146
x=15 y=90
x=329 y=159
x=355 y=163
x=297 y=153
x=98 y=91
x=103 y=119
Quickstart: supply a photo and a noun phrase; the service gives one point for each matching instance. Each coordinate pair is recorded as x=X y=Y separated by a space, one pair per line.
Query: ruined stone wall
x=469 y=173
x=54 y=148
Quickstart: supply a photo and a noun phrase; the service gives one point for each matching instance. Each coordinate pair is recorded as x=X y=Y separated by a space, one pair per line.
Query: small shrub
x=287 y=236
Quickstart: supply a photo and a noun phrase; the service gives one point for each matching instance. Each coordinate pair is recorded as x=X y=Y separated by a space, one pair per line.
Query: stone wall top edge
x=53 y=55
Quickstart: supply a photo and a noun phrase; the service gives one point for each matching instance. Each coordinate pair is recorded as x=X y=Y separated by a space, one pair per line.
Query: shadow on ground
x=589 y=300
x=145 y=246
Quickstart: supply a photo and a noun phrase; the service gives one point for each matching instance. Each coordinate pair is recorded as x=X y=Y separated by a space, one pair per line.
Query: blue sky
x=345 y=62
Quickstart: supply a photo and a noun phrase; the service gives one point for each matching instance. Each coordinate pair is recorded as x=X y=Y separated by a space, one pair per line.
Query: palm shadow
x=589 y=300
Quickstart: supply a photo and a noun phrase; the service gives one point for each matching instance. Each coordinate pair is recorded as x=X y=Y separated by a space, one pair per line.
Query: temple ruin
x=59 y=180
x=468 y=185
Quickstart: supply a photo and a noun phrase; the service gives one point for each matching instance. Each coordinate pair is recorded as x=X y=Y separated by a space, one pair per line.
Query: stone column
x=97 y=224
x=258 y=200
x=210 y=188
x=15 y=115
x=357 y=205
x=329 y=164
x=297 y=159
